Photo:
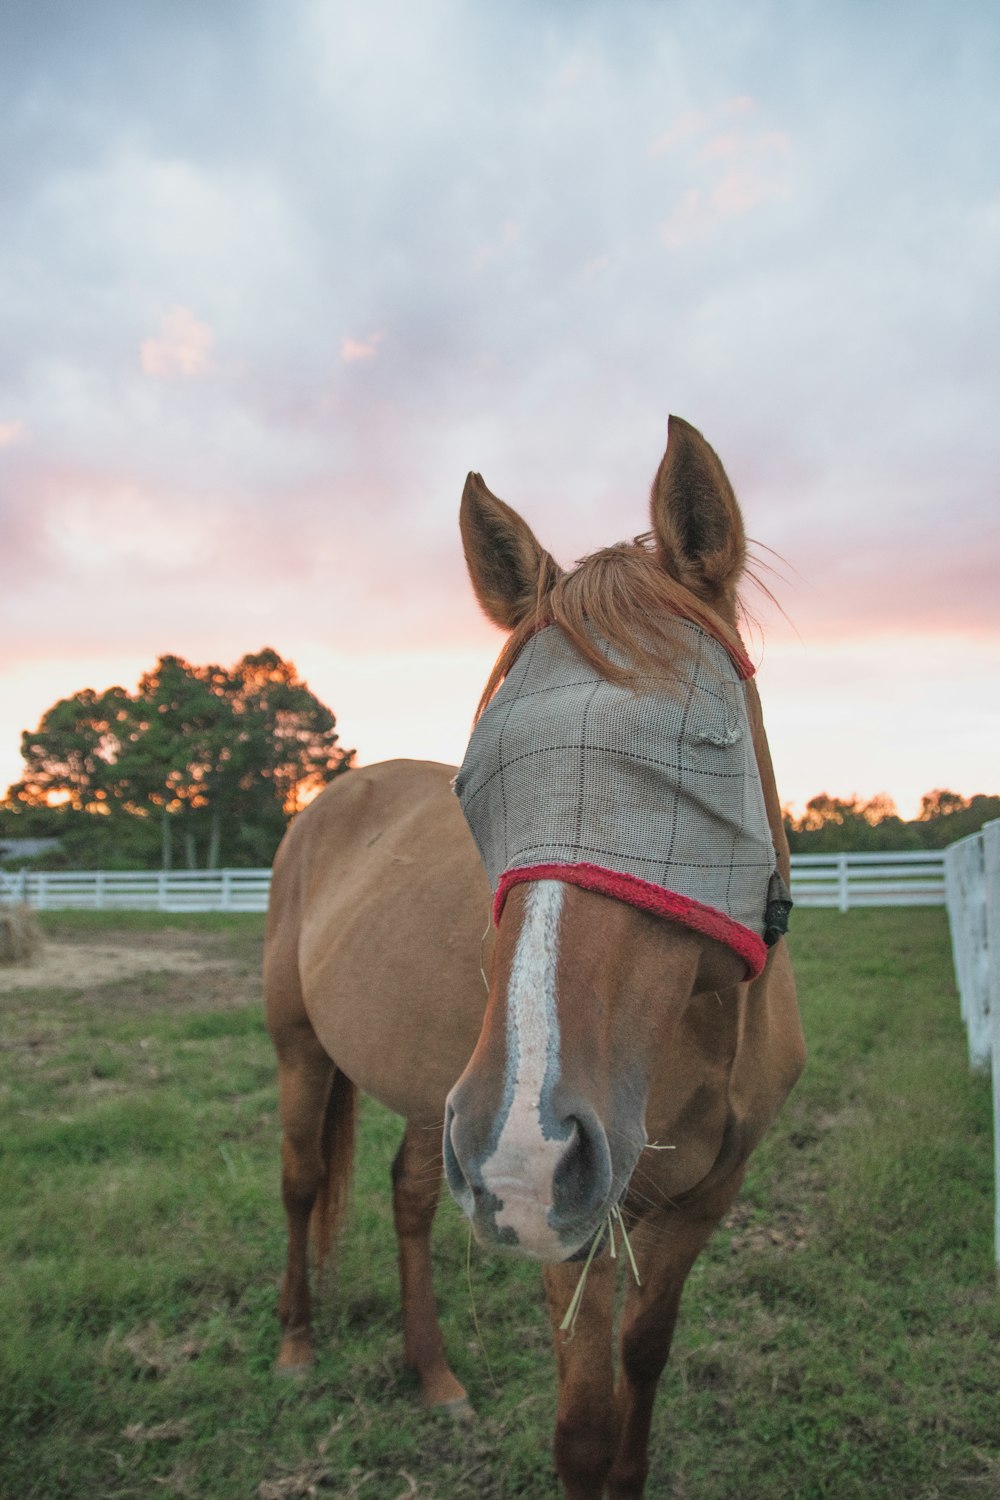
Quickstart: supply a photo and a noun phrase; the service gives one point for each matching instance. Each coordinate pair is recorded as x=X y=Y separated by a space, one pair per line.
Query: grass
x=840 y=1336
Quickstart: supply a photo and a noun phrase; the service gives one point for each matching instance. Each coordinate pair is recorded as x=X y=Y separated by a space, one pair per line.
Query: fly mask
x=650 y=796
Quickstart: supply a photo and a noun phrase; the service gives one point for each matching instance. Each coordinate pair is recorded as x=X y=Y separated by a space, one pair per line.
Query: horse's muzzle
x=542 y=1192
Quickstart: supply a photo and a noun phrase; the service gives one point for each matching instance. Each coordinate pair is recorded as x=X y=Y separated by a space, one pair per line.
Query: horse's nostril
x=463 y=1190
x=582 y=1179
x=452 y=1168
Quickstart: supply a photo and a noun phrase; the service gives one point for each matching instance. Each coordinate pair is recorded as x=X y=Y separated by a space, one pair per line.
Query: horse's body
x=607 y=1030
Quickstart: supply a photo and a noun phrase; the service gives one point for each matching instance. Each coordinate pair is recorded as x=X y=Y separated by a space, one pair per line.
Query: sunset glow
x=260 y=347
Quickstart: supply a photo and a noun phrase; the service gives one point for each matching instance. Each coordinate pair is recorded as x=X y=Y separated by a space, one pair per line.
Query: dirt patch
x=80 y=966
x=781 y=1231
x=153 y=1353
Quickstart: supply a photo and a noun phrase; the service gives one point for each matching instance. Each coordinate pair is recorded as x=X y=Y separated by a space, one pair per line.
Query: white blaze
x=520 y=1170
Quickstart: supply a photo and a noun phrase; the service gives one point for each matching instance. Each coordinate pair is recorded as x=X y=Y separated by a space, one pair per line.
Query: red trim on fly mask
x=647 y=897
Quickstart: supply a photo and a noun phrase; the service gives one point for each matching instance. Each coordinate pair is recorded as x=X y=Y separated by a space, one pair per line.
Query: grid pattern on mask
x=565 y=767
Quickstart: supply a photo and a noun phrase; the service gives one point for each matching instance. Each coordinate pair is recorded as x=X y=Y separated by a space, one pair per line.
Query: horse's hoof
x=295 y=1354
x=294 y=1372
x=442 y=1392
x=460 y=1410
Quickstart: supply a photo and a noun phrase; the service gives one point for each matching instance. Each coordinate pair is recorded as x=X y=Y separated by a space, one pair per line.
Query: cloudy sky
x=275 y=274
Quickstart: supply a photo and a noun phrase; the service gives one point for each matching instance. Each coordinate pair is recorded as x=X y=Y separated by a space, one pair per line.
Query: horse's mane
x=620 y=596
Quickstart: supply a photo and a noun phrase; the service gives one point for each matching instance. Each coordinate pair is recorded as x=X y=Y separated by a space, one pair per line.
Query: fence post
x=991 y=863
x=965 y=894
x=843 y=887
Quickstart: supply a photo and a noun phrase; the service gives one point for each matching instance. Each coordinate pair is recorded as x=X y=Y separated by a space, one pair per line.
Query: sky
x=276 y=274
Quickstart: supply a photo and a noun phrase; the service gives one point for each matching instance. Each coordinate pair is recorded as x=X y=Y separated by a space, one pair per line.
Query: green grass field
x=840 y=1337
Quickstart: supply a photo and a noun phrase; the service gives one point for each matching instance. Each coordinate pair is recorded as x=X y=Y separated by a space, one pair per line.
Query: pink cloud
x=733 y=143
x=754 y=176
x=740 y=104
x=182 y=348
x=11 y=433
x=741 y=192
x=753 y=165
x=687 y=125
x=690 y=220
x=597 y=266
x=352 y=350
x=700 y=213
x=569 y=75
x=694 y=122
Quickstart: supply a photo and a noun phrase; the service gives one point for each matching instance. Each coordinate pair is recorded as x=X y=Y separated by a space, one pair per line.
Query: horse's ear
x=696 y=519
x=510 y=571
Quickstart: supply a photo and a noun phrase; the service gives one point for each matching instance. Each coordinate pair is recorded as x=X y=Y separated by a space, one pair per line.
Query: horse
x=639 y=1032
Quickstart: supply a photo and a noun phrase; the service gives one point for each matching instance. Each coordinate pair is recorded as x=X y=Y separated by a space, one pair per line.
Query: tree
x=946 y=816
x=217 y=758
x=940 y=804
x=286 y=742
x=838 y=825
x=176 y=758
x=71 y=755
x=834 y=824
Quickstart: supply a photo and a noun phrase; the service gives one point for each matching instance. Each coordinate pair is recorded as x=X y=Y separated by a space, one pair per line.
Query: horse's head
x=612 y=786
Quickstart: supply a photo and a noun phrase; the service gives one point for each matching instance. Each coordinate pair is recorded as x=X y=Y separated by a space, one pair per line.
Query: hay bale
x=21 y=938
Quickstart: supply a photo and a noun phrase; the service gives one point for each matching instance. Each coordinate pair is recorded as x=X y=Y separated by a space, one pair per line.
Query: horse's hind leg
x=305 y=1078
x=416 y=1186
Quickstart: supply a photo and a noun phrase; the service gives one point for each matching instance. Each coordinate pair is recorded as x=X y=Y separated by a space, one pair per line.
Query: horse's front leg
x=586 y=1425
x=665 y=1245
x=416 y=1186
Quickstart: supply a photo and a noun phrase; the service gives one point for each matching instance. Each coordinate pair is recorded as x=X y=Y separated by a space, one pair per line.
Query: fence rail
x=849 y=880
x=138 y=890
x=839 y=880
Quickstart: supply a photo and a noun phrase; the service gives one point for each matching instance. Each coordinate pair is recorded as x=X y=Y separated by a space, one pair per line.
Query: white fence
x=972 y=875
x=849 y=880
x=138 y=890
x=840 y=880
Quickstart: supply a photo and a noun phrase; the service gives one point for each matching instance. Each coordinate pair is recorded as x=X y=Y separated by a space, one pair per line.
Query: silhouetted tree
x=218 y=757
x=837 y=825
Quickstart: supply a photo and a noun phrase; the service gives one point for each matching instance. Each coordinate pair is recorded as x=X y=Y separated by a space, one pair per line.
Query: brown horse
x=630 y=1006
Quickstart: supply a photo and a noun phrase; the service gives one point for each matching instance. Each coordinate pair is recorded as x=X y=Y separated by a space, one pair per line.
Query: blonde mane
x=620 y=595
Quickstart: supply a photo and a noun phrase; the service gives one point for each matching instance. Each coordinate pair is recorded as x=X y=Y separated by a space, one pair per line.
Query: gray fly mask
x=653 y=797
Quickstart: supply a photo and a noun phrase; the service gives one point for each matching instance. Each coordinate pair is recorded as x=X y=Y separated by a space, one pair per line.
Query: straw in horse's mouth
x=594 y=1245
x=606 y=1231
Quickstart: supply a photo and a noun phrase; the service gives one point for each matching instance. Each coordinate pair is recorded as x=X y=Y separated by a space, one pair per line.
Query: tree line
x=201 y=766
x=204 y=766
x=836 y=825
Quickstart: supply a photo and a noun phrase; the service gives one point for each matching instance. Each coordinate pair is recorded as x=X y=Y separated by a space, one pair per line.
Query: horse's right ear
x=510 y=571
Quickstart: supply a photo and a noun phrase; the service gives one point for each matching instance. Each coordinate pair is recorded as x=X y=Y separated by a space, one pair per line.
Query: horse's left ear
x=510 y=570
x=697 y=522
